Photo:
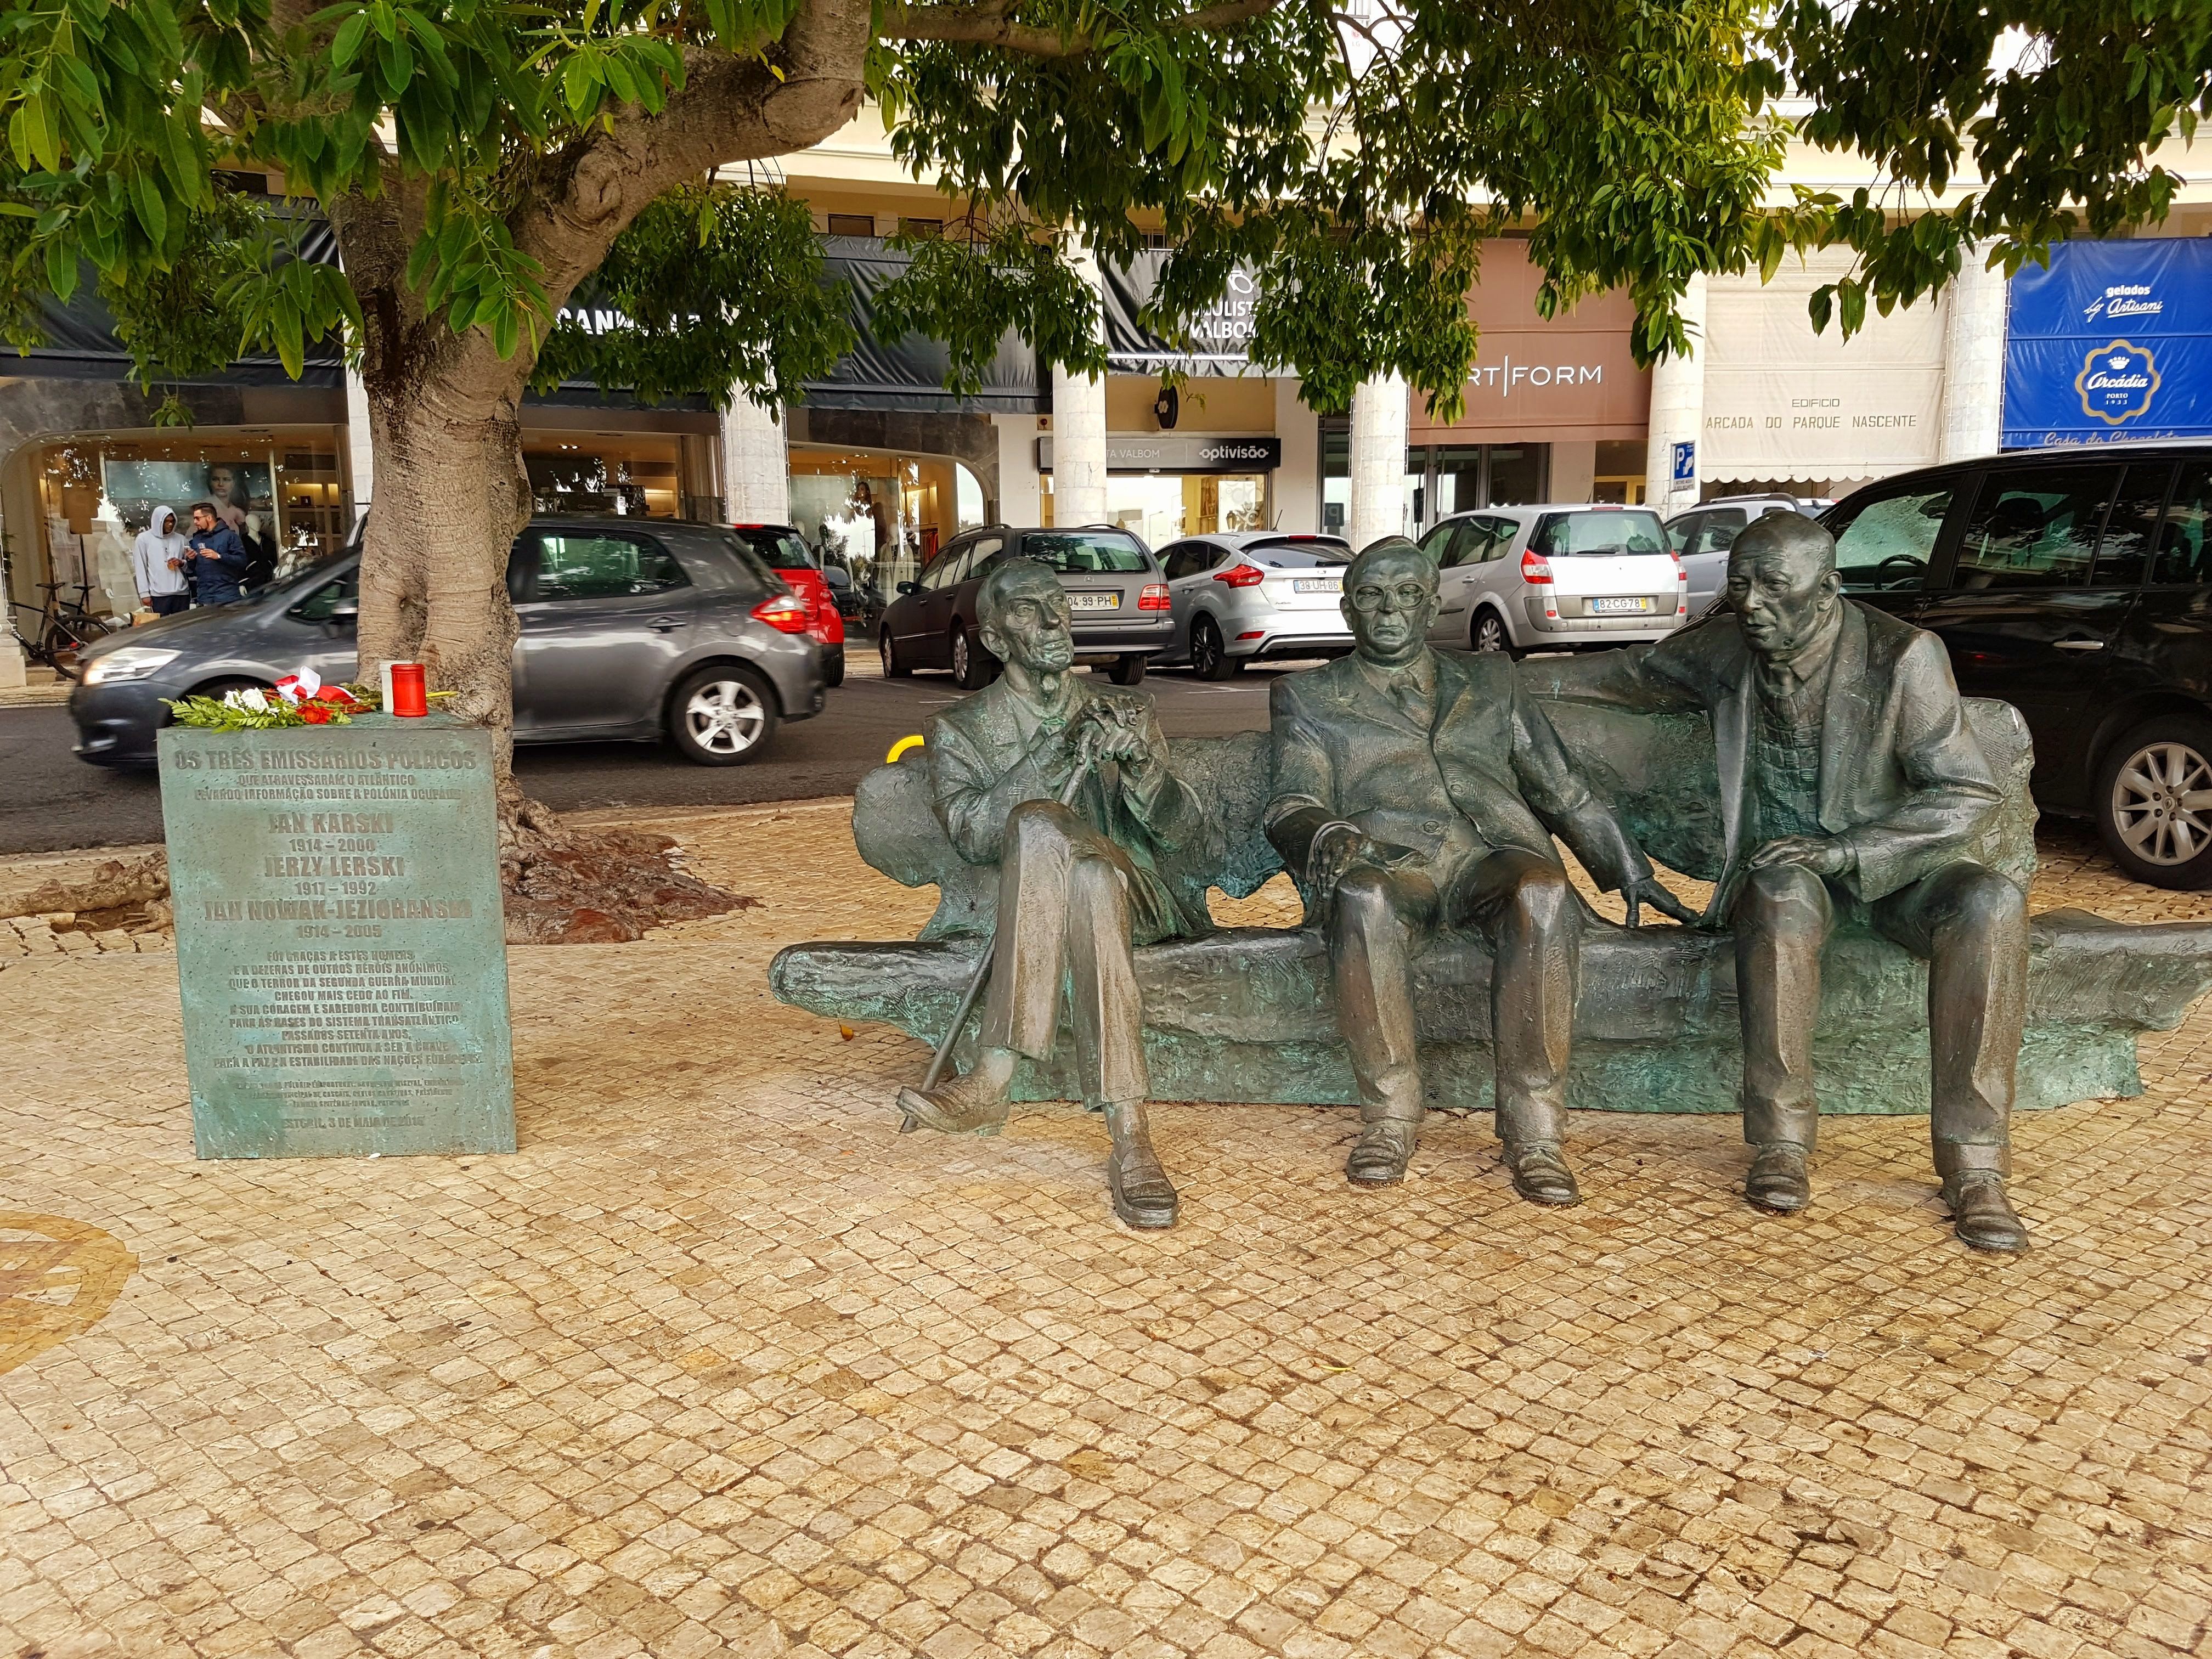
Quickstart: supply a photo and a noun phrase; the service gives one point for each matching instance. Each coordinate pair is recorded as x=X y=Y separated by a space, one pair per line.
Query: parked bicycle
x=64 y=627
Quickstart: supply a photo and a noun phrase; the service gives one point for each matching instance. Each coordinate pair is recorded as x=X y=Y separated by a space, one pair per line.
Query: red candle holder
x=410 y=698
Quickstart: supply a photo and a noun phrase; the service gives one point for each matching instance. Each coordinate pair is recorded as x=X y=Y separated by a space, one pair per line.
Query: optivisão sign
x=2114 y=341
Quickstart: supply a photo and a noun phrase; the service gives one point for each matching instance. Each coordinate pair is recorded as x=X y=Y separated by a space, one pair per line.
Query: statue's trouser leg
x=1528 y=917
x=1064 y=915
x=1970 y=924
x=1377 y=920
x=1782 y=918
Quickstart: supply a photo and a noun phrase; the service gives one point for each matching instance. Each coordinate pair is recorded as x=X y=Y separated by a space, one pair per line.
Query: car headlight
x=132 y=662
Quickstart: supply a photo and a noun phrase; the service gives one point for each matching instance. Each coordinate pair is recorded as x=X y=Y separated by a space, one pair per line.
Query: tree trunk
x=451 y=497
x=446 y=429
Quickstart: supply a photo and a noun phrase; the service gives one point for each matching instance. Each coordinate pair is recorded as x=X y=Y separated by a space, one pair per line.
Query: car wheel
x=1489 y=633
x=1209 y=656
x=2154 y=802
x=1127 y=670
x=721 y=715
x=895 y=666
x=833 y=666
x=972 y=667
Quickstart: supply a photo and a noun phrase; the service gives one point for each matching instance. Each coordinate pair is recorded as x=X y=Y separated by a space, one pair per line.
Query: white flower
x=252 y=699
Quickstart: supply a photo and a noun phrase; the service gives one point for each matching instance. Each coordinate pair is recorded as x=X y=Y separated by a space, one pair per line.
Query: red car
x=786 y=553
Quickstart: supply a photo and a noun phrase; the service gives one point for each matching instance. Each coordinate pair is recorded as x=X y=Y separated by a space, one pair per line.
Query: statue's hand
x=1336 y=852
x=1649 y=891
x=1821 y=854
x=1121 y=731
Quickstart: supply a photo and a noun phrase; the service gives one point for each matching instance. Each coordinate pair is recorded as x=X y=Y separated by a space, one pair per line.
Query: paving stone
x=718 y=1363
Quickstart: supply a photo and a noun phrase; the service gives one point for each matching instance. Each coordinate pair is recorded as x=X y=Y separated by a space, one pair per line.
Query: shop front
x=1554 y=410
x=1168 y=485
x=881 y=513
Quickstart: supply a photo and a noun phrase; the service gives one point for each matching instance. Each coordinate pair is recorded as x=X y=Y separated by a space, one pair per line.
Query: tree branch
x=987 y=24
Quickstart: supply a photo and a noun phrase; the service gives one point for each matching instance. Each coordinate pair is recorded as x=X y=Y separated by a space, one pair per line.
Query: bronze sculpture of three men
x=1419 y=792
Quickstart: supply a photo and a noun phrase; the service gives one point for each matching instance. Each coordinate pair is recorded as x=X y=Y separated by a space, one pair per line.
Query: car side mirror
x=909 y=587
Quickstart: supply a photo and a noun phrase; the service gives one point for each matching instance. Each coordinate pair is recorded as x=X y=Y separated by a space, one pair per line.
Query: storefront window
x=1620 y=475
x=283 y=493
x=1163 y=507
x=636 y=476
x=1440 y=479
x=882 y=516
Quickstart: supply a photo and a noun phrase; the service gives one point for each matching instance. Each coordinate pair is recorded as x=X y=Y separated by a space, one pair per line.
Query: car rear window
x=1086 y=552
x=1300 y=552
x=1600 y=534
x=783 y=550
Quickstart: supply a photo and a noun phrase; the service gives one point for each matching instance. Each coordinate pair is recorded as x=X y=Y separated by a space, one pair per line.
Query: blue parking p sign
x=1686 y=463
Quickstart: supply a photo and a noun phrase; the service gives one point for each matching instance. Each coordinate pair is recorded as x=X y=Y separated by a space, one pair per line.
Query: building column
x=361 y=451
x=13 y=669
x=1021 y=486
x=1297 y=481
x=1678 y=410
x=1078 y=429
x=756 y=465
x=1378 y=461
x=1973 y=362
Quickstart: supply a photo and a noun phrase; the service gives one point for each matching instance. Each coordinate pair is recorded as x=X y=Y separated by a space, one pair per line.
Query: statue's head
x=1022 y=615
x=1782 y=582
x=1389 y=599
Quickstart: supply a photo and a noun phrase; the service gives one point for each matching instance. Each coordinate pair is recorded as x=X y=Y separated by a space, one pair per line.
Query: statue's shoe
x=1382 y=1153
x=1540 y=1174
x=1982 y=1215
x=1143 y=1194
x=962 y=1107
x=1778 y=1181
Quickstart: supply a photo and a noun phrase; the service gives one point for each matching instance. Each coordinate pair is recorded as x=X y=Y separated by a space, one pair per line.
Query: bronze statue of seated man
x=1418 y=790
x=1080 y=884
x=1851 y=787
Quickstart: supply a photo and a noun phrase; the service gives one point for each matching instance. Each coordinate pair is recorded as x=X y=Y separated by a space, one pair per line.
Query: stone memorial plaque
x=340 y=947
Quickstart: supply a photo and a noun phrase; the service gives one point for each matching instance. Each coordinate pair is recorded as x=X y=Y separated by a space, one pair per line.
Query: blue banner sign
x=2113 y=342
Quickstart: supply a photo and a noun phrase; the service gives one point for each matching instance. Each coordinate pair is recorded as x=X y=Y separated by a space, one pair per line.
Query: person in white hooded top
x=158 y=559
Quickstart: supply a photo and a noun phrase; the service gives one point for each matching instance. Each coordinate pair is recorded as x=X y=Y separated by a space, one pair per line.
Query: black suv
x=2076 y=584
x=1117 y=596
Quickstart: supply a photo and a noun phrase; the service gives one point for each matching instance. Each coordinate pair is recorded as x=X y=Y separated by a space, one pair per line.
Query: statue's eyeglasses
x=1407 y=596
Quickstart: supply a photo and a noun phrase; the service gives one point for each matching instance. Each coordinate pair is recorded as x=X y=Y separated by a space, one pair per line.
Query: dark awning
x=908 y=374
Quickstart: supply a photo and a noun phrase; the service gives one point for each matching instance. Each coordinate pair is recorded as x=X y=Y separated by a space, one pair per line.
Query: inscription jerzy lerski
x=340 y=946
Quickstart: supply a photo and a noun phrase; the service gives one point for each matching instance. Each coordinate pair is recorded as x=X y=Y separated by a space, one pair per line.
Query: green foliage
x=712 y=288
x=968 y=292
x=1634 y=143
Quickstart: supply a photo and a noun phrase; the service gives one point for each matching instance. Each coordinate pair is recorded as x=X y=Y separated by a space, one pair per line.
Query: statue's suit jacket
x=972 y=748
x=1902 y=783
x=1344 y=749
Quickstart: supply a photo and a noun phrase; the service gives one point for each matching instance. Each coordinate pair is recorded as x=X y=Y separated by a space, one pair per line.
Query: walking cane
x=1085 y=758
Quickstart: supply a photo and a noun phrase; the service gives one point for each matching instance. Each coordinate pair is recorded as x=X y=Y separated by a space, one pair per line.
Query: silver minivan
x=1555 y=576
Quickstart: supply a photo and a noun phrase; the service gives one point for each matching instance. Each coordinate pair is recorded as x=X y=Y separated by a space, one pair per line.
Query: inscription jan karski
x=340 y=940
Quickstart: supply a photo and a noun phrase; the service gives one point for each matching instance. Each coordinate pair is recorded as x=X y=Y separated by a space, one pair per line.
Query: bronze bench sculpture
x=1244 y=1014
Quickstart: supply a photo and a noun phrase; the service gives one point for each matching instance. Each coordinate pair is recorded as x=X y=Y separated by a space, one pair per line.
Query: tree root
x=565 y=884
x=114 y=888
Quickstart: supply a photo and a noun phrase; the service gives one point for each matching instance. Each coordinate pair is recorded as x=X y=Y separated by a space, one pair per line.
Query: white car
x=1701 y=537
x=1554 y=577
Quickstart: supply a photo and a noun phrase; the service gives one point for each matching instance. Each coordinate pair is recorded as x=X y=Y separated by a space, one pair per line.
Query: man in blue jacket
x=219 y=560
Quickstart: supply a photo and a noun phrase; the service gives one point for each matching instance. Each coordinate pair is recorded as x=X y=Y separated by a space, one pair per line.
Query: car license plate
x=1610 y=607
x=1094 y=602
x=1317 y=585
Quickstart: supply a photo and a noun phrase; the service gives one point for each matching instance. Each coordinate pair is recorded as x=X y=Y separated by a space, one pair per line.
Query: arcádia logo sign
x=2116 y=382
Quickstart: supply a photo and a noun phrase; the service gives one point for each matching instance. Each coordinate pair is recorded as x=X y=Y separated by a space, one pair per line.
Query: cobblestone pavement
x=718 y=1363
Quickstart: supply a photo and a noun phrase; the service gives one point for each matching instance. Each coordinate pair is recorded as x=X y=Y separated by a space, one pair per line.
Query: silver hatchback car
x=1240 y=596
